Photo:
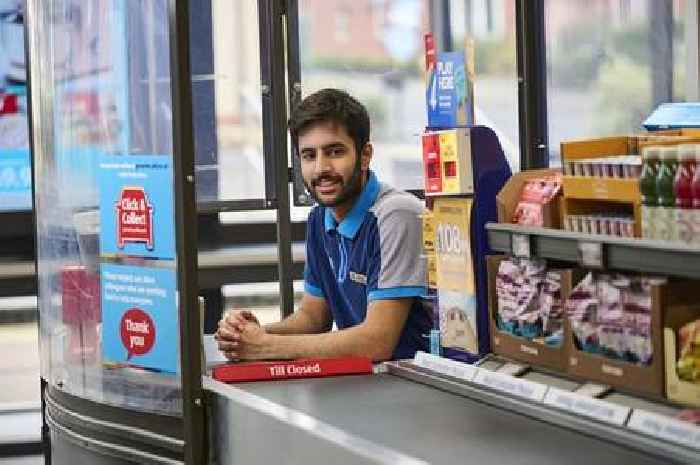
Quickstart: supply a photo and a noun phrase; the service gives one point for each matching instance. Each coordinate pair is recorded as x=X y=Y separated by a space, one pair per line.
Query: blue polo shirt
x=374 y=253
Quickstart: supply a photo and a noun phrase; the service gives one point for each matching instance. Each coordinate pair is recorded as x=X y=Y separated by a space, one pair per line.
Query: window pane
x=491 y=23
x=610 y=63
x=230 y=160
x=15 y=163
x=374 y=50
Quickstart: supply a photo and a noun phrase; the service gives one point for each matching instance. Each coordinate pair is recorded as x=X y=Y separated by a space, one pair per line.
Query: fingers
x=238 y=320
x=239 y=316
x=232 y=355
x=227 y=333
x=250 y=316
x=227 y=346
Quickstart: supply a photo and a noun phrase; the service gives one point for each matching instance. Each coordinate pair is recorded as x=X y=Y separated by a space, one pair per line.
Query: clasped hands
x=240 y=336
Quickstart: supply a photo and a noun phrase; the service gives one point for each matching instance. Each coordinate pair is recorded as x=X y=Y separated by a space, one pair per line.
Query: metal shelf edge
x=642 y=255
x=617 y=435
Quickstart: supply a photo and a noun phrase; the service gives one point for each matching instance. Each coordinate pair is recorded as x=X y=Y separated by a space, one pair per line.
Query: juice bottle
x=695 y=191
x=682 y=189
x=647 y=187
x=666 y=201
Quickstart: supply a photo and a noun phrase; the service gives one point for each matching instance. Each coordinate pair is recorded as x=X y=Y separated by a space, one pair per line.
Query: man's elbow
x=382 y=355
x=378 y=348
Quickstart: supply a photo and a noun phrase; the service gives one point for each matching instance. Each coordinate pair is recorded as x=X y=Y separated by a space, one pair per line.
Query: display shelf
x=596 y=251
x=631 y=422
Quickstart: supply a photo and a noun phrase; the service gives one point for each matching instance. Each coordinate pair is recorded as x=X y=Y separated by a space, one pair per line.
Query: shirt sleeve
x=399 y=267
x=312 y=281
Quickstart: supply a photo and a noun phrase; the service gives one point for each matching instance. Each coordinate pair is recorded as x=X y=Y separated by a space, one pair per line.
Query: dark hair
x=331 y=105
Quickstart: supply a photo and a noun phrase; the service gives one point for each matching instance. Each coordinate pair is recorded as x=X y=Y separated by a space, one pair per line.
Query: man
x=364 y=269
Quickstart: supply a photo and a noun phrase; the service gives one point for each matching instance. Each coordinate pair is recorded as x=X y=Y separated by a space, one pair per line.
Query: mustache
x=326 y=177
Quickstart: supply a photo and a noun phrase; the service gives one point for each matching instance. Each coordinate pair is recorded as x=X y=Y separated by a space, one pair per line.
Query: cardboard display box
x=623 y=145
x=591 y=195
x=678 y=390
x=646 y=380
x=509 y=196
x=519 y=348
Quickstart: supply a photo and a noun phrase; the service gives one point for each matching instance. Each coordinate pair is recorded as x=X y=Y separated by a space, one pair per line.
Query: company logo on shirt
x=358 y=278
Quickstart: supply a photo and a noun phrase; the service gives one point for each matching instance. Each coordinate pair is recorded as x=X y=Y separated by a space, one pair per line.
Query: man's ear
x=366 y=155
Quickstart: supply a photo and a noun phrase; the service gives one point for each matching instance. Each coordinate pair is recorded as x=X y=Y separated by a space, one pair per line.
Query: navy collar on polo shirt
x=349 y=226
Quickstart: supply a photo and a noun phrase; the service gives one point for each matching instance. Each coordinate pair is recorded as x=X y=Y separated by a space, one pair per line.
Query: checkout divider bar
x=632 y=428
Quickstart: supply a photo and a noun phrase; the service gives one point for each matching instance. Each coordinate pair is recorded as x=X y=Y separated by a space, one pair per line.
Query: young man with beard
x=364 y=269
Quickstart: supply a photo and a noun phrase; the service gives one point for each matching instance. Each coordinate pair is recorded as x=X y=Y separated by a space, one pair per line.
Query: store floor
x=19 y=389
x=31 y=460
x=19 y=365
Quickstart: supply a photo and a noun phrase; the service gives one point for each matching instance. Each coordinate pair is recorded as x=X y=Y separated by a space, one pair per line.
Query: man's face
x=332 y=169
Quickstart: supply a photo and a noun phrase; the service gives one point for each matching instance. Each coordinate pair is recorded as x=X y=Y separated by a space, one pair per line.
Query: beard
x=349 y=191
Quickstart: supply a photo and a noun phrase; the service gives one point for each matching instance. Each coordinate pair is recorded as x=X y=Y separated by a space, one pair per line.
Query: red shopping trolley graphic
x=134 y=217
x=138 y=332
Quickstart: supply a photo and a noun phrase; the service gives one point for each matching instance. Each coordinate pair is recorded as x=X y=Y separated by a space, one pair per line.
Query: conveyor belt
x=435 y=426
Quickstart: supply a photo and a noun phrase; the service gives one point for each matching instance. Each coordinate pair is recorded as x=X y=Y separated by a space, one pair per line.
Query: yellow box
x=593 y=188
x=589 y=194
x=455 y=274
x=428 y=220
x=678 y=390
x=598 y=148
x=432 y=270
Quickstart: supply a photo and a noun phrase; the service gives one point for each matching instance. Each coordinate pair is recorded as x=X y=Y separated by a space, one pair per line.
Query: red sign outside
x=134 y=217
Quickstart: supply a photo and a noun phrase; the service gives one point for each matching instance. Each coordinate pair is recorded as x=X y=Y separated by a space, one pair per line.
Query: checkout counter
x=402 y=414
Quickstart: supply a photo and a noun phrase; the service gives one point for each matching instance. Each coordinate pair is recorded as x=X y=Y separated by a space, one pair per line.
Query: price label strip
x=445 y=367
x=514 y=386
x=666 y=428
x=587 y=406
x=590 y=255
x=520 y=245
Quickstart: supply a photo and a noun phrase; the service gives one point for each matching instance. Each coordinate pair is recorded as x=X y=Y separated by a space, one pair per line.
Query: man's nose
x=322 y=164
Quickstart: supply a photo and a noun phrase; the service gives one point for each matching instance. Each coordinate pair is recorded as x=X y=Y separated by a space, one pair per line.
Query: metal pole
x=469 y=17
x=186 y=234
x=532 y=83
x=440 y=26
x=294 y=91
x=661 y=50
x=32 y=12
x=272 y=74
x=692 y=47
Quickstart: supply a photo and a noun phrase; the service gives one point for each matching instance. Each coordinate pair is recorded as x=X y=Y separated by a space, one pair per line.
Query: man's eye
x=307 y=156
x=338 y=151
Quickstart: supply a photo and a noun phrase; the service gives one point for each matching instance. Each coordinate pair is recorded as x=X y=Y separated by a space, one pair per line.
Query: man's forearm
x=350 y=342
x=298 y=322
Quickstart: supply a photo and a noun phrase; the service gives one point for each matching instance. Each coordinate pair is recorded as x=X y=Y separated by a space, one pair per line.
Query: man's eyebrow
x=332 y=145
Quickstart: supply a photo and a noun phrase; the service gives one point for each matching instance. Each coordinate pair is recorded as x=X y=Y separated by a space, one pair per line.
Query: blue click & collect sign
x=136 y=206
